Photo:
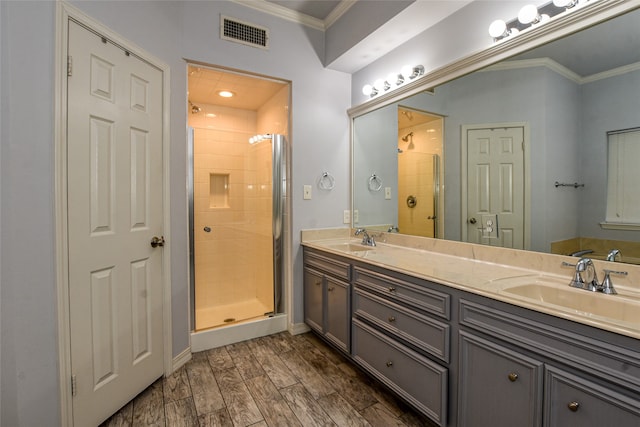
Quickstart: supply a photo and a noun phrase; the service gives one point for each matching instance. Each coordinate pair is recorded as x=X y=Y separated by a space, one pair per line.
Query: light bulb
x=379 y=84
x=367 y=90
x=406 y=71
x=392 y=79
x=528 y=14
x=497 y=28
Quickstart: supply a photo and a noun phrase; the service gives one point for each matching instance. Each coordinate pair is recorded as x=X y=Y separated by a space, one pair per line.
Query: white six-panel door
x=115 y=208
x=495 y=186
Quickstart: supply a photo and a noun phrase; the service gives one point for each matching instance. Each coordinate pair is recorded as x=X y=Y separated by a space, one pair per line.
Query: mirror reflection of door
x=420 y=137
x=495 y=202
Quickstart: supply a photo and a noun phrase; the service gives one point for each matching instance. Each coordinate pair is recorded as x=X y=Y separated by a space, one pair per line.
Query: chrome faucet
x=585 y=277
x=392 y=229
x=613 y=253
x=581 y=253
x=366 y=239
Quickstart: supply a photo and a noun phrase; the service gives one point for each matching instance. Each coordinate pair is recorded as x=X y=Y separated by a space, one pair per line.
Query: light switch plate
x=306 y=195
x=346 y=216
x=387 y=193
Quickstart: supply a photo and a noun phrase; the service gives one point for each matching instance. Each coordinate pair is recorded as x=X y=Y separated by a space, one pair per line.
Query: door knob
x=157 y=241
x=472 y=220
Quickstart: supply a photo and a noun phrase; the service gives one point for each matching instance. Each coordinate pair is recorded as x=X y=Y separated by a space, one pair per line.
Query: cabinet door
x=338 y=317
x=498 y=386
x=576 y=402
x=313 y=292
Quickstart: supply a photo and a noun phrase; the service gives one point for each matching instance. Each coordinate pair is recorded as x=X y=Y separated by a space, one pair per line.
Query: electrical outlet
x=306 y=195
x=346 y=216
x=356 y=216
x=387 y=193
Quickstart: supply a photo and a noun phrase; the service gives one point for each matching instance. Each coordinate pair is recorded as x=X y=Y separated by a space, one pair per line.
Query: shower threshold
x=223 y=315
x=237 y=332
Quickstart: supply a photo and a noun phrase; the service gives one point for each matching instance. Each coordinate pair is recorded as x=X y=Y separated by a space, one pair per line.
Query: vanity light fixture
x=393 y=80
x=529 y=16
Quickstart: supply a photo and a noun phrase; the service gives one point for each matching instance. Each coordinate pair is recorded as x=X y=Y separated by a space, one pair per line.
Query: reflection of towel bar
x=563 y=184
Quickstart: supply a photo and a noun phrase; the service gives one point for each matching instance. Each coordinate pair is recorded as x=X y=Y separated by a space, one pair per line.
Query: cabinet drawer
x=419 y=330
x=498 y=387
x=574 y=401
x=328 y=265
x=415 y=378
x=406 y=293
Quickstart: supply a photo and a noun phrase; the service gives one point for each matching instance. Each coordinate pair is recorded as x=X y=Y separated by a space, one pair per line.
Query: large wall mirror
x=514 y=154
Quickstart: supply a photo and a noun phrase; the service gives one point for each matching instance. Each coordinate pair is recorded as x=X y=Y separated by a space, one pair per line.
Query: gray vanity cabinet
x=499 y=387
x=327 y=298
x=401 y=336
x=467 y=360
x=576 y=401
x=529 y=369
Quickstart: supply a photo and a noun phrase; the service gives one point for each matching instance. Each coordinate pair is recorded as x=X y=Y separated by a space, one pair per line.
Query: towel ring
x=375 y=183
x=326 y=181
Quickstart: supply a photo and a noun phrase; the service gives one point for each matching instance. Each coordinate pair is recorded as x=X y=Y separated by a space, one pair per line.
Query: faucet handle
x=607 y=283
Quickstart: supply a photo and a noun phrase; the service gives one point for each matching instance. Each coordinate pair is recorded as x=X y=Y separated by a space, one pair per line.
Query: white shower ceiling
x=250 y=92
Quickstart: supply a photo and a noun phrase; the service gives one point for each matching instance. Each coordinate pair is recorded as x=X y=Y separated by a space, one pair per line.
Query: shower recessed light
x=225 y=93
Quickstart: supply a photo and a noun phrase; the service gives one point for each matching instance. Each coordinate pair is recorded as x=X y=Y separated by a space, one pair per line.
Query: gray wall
x=375 y=142
x=170 y=31
x=548 y=102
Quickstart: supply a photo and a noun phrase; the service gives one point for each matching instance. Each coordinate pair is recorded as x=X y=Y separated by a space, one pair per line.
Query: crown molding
x=298 y=17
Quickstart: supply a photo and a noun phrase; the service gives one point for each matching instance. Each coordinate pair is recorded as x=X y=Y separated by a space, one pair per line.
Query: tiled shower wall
x=415 y=177
x=233 y=260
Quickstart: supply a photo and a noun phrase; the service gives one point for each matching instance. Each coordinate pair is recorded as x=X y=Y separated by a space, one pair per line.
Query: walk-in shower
x=237 y=201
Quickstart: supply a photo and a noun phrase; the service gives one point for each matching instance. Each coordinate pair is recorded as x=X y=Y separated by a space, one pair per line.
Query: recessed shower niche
x=218 y=190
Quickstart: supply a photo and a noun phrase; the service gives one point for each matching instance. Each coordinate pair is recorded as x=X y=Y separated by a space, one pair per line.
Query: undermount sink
x=614 y=307
x=351 y=247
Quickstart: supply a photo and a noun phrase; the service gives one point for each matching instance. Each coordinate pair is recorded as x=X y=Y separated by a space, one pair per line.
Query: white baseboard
x=226 y=335
x=298 y=328
x=180 y=360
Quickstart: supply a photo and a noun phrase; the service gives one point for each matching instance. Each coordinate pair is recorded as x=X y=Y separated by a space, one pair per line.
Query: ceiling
x=250 y=93
x=319 y=9
x=606 y=46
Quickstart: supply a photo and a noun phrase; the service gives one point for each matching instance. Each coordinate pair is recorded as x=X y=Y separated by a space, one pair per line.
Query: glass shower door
x=233 y=228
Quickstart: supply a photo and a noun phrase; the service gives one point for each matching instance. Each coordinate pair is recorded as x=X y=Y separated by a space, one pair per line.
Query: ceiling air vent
x=241 y=32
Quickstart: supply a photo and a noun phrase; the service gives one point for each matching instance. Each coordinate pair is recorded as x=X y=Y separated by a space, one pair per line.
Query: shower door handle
x=157 y=241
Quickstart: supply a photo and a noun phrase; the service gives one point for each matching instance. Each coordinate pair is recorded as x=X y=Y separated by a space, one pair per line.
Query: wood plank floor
x=279 y=380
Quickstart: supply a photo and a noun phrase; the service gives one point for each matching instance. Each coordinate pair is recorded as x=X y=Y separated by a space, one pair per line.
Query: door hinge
x=74 y=385
x=69 y=66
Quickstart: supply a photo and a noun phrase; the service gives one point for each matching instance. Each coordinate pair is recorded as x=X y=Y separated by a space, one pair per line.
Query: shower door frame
x=278 y=195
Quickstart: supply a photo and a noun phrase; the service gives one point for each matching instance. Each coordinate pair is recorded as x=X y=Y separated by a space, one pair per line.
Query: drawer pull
x=318 y=283
x=389 y=364
x=573 y=406
x=513 y=377
x=392 y=319
x=330 y=289
x=391 y=289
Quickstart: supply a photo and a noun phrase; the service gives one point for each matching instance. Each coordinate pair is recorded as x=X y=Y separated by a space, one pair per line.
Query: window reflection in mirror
x=623 y=177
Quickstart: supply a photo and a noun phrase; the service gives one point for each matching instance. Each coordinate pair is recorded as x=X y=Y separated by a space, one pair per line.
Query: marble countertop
x=508 y=280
